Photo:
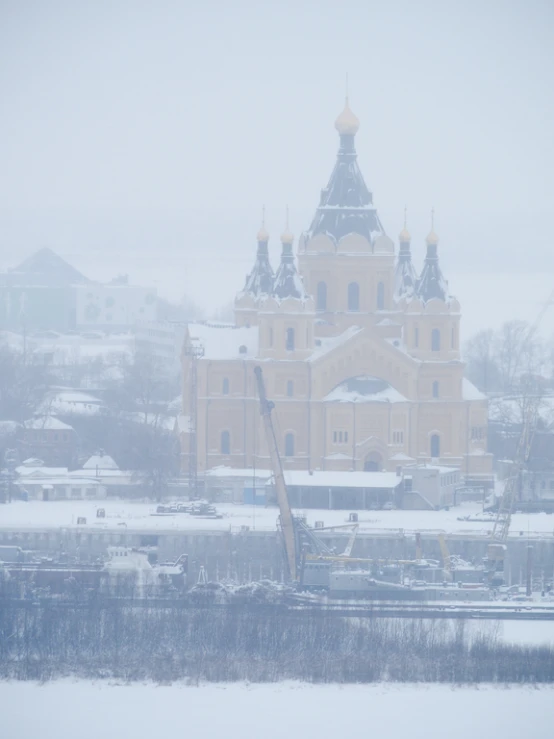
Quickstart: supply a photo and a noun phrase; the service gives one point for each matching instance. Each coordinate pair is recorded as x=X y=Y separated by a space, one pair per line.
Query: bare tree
x=482 y=368
x=518 y=352
x=24 y=383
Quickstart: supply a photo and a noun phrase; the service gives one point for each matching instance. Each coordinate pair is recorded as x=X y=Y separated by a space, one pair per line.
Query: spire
x=288 y=283
x=346 y=204
x=263 y=235
x=432 y=284
x=432 y=238
x=260 y=279
x=405 y=276
x=404 y=235
x=287 y=237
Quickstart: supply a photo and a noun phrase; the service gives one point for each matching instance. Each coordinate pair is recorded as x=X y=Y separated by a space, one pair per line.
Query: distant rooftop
x=48 y=423
x=45 y=267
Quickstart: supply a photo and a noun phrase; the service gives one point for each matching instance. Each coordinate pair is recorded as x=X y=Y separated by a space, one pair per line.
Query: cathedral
x=359 y=351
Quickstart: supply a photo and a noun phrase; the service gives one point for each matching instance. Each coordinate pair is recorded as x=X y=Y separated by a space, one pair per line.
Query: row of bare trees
x=504 y=361
x=255 y=644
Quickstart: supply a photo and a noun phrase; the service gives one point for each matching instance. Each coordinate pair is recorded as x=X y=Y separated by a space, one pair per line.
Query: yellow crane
x=285 y=512
x=446 y=558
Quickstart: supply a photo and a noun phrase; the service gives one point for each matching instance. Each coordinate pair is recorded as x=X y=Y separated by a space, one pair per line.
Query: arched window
x=289 y=340
x=436 y=389
x=416 y=337
x=225 y=388
x=270 y=336
x=353 y=296
x=373 y=462
x=225 y=442
x=435 y=446
x=435 y=340
x=321 y=297
x=289 y=445
x=380 y=296
x=453 y=340
x=290 y=388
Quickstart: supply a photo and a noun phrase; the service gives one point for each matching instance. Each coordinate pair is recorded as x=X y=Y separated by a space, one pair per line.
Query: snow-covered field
x=65 y=710
x=36 y=514
x=531 y=633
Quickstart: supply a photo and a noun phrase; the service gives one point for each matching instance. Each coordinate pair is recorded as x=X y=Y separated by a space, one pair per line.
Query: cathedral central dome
x=347 y=124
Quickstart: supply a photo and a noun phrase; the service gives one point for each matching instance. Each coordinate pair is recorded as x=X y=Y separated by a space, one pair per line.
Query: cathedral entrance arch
x=373 y=462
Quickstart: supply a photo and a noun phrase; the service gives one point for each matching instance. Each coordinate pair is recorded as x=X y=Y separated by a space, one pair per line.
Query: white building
x=38 y=482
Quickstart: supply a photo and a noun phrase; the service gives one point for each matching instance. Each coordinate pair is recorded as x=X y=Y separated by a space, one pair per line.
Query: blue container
x=253 y=496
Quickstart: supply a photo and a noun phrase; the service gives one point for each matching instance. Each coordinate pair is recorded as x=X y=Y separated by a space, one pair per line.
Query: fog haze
x=145 y=137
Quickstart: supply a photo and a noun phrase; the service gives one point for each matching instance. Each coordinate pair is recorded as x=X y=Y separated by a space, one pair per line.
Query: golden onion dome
x=347 y=123
x=262 y=234
x=432 y=238
x=287 y=237
x=404 y=236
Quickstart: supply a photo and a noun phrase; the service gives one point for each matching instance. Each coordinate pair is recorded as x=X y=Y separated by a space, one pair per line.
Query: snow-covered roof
x=225 y=341
x=332 y=479
x=442 y=469
x=58 y=480
x=100 y=462
x=332 y=342
x=470 y=392
x=105 y=474
x=48 y=423
x=401 y=457
x=223 y=471
x=364 y=390
x=72 y=401
x=40 y=471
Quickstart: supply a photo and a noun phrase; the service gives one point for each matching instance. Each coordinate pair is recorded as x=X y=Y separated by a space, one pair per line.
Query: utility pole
x=194 y=352
x=529 y=578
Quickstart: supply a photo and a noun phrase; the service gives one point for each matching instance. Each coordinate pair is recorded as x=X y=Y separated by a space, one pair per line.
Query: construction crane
x=285 y=513
x=353 y=527
x=298 y=537
x=497 y=546
x=446 y=558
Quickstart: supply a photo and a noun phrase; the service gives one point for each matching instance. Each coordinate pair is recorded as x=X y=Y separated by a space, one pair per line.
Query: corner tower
x=259 y=282
x=286 y=317
x=432 y=316
x=405 y=276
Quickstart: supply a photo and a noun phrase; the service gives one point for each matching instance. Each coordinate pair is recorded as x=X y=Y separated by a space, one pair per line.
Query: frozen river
x=65 y=710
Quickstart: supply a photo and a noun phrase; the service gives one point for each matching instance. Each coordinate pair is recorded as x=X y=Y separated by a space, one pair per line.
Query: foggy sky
x=145 y=136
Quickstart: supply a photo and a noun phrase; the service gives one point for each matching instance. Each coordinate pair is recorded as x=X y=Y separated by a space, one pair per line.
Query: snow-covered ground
x=65 y=710
x=36 y=514
x=532 y=633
